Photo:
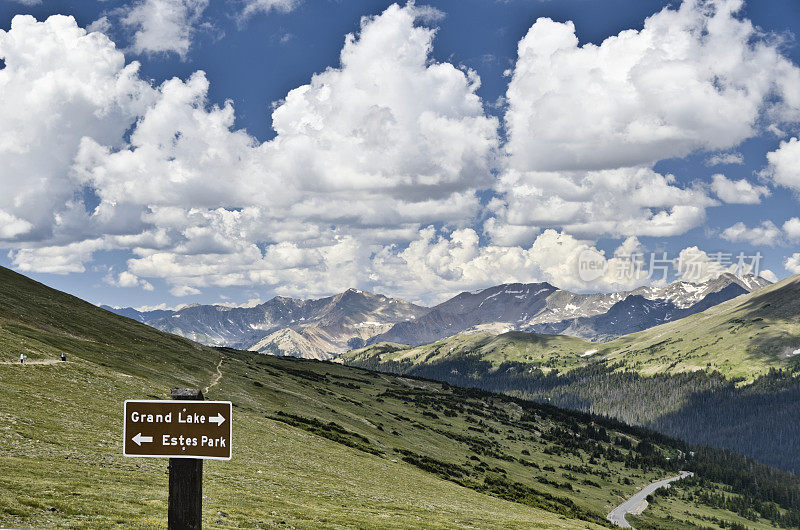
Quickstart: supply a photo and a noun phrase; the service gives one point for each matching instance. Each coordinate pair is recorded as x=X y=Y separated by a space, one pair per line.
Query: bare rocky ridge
x=318 y=329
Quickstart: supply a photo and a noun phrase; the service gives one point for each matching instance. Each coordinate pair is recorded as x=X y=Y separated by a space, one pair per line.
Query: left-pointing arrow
x=138 y=439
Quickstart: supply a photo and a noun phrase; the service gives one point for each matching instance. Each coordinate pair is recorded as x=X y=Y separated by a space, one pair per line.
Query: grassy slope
x=741 y=338
x=384 y=464
x=62 y=465
x=547 y=352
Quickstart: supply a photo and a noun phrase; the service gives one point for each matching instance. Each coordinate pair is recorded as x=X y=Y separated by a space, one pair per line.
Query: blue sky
x=309 y=218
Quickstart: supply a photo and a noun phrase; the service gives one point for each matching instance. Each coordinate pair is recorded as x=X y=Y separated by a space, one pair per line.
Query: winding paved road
x=635 y=503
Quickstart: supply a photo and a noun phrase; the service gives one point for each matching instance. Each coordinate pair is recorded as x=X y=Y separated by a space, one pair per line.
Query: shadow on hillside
x=759 y=420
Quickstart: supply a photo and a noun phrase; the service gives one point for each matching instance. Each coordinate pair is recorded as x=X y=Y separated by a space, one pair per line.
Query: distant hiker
x=21 y=358
x=63 y=357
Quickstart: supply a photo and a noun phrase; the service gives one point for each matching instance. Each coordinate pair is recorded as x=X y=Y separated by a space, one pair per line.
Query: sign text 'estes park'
x=177 y=429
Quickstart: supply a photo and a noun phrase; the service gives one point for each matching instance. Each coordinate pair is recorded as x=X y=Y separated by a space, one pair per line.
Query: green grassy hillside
x=316 y=445
x=545 y=352
x=742 y=338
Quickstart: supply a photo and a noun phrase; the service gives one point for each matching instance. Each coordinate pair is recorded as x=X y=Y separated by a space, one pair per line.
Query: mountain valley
x=426 y=453
x=726 y=376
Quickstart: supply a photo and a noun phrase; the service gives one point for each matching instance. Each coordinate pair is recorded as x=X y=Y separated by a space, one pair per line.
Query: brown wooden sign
x=177 y=429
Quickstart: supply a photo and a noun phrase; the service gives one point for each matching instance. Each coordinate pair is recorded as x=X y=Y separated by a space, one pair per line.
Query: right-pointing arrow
x=219 y=419
x=138 y=439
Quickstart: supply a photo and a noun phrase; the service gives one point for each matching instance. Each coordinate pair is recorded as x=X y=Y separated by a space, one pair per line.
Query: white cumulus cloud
x=178 y=154
x=127 y=279
x=768 y=234
x=695 y=77
x=389 y=127
x=56 y=259
x=737 y=191
x=585 y=123
x=161 y=26
x=184 y=290
x=792 y=263
x=784 y=164
x=60 y=85
x=616 y=202
x=792 y=229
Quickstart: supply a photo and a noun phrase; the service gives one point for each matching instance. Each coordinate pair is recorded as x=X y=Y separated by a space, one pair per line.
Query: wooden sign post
x=186 y=430
x=185 y=481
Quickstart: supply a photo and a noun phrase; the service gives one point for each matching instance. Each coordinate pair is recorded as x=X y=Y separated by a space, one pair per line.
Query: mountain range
x=326 y=327
x=543 y=308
